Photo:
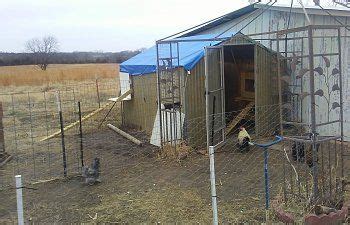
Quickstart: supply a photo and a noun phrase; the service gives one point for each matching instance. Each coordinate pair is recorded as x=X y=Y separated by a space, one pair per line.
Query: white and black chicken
x=244 y=139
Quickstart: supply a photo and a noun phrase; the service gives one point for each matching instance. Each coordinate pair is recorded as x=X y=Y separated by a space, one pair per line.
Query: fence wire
x=145 y=183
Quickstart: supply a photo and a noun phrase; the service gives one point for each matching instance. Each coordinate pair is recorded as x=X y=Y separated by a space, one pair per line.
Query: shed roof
x=191 y=50
x=312 y=10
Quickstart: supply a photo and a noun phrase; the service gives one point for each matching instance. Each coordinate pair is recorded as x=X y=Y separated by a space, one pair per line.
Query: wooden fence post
x=2 y=137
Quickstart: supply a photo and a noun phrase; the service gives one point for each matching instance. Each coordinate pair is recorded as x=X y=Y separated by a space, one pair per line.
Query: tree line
x=12 y=59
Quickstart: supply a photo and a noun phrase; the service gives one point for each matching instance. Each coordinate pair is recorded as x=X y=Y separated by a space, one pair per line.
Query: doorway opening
x=239 y=79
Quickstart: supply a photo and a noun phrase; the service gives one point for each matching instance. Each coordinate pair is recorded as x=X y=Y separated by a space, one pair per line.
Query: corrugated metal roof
x=230 y=16
x=313 y=10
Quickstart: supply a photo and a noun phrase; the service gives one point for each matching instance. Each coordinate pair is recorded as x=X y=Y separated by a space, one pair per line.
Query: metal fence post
x=213 y=187
x=267 y=185
x=313 y=114
x=19 y=196
x=62 y=134
x=2 y=137
x=266 y=173
x=98 y=94
x=81 y=136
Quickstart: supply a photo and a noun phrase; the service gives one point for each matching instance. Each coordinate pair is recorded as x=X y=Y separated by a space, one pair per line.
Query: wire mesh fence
x=30 y=117
x=146 y=183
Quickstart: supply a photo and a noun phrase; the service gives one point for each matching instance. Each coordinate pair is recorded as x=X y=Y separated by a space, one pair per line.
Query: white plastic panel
x=169 y=130
x=125 y=84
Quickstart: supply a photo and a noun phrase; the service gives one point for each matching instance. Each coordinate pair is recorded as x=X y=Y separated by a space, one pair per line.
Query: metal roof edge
x=313 y=10
x=230 y=16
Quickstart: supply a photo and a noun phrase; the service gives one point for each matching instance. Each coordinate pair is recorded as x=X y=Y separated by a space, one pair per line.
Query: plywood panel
x=266 y=92
x=195 y=126
x=141 y=110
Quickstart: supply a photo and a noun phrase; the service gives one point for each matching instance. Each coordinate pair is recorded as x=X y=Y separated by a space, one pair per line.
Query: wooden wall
x=141 y=110
x=195 y=125
x=266 y=92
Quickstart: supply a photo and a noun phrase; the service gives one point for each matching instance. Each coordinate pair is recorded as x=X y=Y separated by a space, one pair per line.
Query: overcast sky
x=103 y=25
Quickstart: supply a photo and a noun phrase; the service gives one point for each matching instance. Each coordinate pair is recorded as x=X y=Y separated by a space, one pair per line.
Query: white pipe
x=213 y=187
x=306 y=15
x=19 y=199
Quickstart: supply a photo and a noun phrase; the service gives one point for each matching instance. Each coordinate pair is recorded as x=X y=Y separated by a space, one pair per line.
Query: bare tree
x=42 y=50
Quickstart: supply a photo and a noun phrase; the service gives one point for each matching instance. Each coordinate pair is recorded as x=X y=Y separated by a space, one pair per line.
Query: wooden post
x=124 y=134
x=2 y=137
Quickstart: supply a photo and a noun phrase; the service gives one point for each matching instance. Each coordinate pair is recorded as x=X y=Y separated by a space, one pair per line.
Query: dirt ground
x=137 y=185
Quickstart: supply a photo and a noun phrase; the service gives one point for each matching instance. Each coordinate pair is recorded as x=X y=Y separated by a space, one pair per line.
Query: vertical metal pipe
x=267 y=188
x=213 y=185
x=64 y=157
x=284 y=178
x=2 y=137
x=47 y=132
x=122 y=112
x=207 y=113
x=279 y=84
x=291 y=176
x=322 y=171
x=19 y=196
x=299 y=178
x=15 y=130
x=175 y=127
x=301 y=81
x=306 y=169
x=172 y=91
x=330 y=170
x=171 y=128
x=81 y=136
x=31 y=133
x=222 y=92
x=159 y=97
x=341 y=109
x=213 y=122
x=313 y=113
x=98 y=94
x=74 y=112
x=335 y=169
x=166 y=126
x=179 y=88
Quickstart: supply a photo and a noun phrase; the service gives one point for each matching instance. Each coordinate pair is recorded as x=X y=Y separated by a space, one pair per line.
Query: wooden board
x=118 y=99
x=239 y=117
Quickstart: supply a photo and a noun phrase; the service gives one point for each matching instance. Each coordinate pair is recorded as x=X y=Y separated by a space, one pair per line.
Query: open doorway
x=239 y=76
x=242 y=90
x=239 y=85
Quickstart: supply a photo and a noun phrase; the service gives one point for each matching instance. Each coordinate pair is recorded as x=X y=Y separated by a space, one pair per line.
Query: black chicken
x=92 y=174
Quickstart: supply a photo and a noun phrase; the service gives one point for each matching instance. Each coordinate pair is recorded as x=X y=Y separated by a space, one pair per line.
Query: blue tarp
x=189 y=53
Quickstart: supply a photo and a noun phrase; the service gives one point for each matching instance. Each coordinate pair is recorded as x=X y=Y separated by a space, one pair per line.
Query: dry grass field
x=31 y=75
x=29 y=104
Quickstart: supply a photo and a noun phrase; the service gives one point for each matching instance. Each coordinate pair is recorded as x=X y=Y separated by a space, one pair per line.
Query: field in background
x=30 y=113
x=31 y=75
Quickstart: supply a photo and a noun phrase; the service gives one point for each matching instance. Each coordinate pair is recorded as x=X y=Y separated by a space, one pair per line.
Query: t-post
x=266 y=171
